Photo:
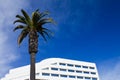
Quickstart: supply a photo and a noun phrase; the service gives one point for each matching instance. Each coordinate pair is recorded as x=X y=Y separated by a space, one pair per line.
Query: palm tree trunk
x=32 y=66
x=33 y=49
x=33 y=42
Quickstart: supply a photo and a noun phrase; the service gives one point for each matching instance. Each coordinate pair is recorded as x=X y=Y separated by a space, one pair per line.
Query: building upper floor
x=57 y=69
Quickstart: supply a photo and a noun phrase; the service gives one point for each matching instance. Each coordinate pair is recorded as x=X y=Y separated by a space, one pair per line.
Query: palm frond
x=20 y=17
x=42 y=34
x=35 y=17
x=33 y=23
x=19 y=21
x=46 y=20
x=18 y=27
x=43 y=14
x=23 y=34
x=37 y=10
x=26 y=16
x=46 y=33
x=47 y=30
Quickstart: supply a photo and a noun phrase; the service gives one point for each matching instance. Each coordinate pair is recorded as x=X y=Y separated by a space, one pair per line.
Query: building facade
x=56 y=69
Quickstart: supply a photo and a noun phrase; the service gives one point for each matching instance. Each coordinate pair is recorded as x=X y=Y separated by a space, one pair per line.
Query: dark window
x=45 y=74
x=87 y=78
x=85 y=67
x=63 y=64
x=63 y=76
x=79 y=77
x=78 y=71
x=71 y=76
x=93 y=72
x=70 y=70
x=62 y=69
x=78 y=66
x=94 y=78
x=86 y=72
x=55 y=75
x=92 y=67
x=54 y=69
x=71 y=65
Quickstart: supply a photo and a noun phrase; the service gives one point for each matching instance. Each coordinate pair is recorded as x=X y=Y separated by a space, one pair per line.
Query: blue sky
x=87 y=30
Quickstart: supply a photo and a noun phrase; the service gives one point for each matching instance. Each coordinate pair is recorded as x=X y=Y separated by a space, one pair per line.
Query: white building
x=56 y=69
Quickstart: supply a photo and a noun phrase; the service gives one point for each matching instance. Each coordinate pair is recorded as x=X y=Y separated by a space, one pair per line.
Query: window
x=94 y=78
x=79 y=77
x=71 y=65
x=70 y=70
x=92 y=67
x=87 y=78
x=77 y=66
x=62 y=69
x=86 y=72
x=71 y=76
x=56 y=69
x=85 y=67
x=54 y=63
x=65 y=76
x=93 y=73
x=55 y=75
x=45 y=74
x=62 y=64
x=45 y=68
x=78 y=71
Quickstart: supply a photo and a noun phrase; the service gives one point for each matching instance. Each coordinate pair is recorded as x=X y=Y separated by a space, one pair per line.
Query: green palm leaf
x=20 y=17
x=46 y=33
x=43 y=14
x=18 y=27
x=20 y=21
x=23 y=34
x=45 y=29
x=34 y=23
x=42 y=34
x=44 y=21
x=35 y=17
x=26 y=17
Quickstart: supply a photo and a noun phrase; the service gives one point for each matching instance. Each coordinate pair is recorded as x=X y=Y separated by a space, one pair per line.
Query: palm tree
x=33 y=27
